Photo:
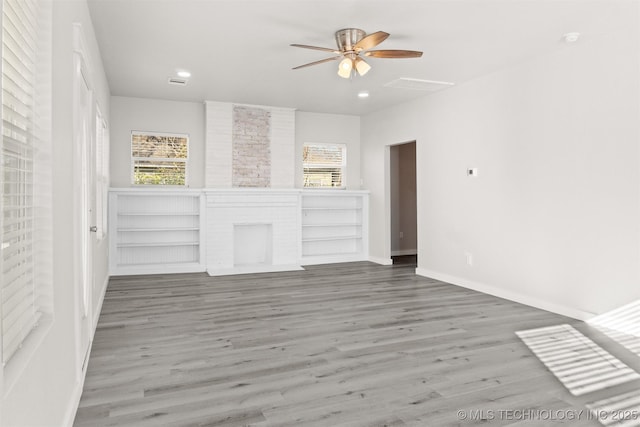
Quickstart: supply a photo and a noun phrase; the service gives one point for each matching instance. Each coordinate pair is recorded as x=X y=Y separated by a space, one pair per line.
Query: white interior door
x=84 y=177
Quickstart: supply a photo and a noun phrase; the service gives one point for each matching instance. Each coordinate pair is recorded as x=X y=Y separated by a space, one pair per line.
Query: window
x=25 y=169
x=324 y=165
x=159 y=158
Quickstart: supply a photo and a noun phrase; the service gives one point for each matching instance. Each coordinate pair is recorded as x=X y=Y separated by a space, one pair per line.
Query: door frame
x=387 y=198
x=83 y=180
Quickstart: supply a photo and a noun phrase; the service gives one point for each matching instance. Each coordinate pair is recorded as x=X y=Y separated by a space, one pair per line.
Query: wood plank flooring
x=353 y=344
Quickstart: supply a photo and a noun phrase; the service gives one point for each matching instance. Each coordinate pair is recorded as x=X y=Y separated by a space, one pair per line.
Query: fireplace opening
x=252 y=244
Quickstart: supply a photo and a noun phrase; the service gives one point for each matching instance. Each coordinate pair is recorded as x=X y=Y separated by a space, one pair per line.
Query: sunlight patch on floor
x=621 y=325
x=621 y=410
x=578 y=363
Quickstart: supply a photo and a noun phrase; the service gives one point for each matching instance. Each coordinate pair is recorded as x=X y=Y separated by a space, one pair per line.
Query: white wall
x=128 y=114
x=329 y=129
x=553 y=217
x=48 y=389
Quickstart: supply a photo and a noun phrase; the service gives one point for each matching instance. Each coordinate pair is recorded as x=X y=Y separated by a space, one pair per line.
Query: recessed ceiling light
x=184 y=74
x=571 y=37
x=363 y=94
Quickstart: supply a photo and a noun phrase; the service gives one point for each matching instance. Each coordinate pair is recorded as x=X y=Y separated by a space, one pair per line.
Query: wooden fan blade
x=372 y=40
x=325 y=49
x=333 y=58
x=393 y=53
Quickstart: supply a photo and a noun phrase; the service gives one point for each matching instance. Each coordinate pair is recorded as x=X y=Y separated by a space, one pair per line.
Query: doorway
x=404 y=218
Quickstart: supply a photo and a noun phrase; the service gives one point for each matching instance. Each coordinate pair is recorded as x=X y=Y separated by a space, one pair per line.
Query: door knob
x=93 y=228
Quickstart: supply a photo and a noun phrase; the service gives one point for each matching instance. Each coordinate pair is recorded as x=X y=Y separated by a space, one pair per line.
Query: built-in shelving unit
x=155 y=231
x=334 y=226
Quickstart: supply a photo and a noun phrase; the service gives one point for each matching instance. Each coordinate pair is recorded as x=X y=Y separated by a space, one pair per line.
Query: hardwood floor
x=354 y=344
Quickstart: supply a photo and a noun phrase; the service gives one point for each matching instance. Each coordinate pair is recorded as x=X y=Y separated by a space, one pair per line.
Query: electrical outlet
x=401 y=235
x=469 y=257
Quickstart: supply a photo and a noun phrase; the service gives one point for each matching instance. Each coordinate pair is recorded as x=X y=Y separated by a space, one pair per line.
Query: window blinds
x=323 y=165
x=19 y=300
x=159 y=159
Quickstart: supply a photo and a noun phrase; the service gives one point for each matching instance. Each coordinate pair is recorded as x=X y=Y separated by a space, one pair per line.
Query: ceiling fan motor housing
x=348 y=37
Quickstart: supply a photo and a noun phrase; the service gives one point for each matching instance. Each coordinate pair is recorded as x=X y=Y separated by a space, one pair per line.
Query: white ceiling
x=238 y=50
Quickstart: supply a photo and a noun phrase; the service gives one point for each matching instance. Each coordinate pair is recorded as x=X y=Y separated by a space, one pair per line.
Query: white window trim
x=185 y=160
x=343 y=167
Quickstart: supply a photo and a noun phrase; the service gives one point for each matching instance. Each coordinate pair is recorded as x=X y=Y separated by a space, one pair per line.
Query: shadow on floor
x=405 y=260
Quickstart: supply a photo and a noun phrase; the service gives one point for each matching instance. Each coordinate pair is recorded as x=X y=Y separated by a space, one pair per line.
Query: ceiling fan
x=354 y=43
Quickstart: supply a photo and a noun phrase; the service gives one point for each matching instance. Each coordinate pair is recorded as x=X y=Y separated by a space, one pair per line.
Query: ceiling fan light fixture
x=361 y=66
x=345 y=67
x=352 y=43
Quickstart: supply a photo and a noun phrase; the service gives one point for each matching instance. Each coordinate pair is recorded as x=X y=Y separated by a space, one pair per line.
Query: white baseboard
x=74 y=402
x=506 y=294
x=192 y=267
x=381 y=261
x=76 y=395
x=403 y=252
x=98 y=310
x=253 y=268
x=332 y=259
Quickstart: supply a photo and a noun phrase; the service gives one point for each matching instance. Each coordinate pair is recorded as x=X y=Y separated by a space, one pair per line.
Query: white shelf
x=332 y=208
x=334 y=227
x=155 y=231
x=330 y=238
x=156 y=245
x=137 y=230
x=344 y=224
x=318 y=254
x=158 y=213
x=147 y=264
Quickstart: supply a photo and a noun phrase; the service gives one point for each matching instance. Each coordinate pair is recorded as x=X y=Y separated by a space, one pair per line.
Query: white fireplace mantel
x=275 y=212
